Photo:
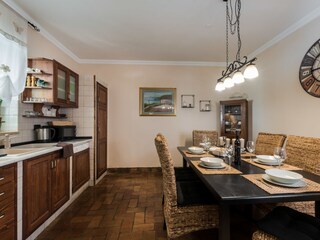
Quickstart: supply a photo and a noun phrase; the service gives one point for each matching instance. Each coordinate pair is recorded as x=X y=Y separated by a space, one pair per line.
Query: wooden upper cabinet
x=66 y=86
x=61 y=88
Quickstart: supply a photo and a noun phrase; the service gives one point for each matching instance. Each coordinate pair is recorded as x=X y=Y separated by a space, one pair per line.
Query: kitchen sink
x=15 y=151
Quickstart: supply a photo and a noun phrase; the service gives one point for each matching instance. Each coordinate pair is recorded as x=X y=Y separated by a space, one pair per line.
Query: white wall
x=279 y=103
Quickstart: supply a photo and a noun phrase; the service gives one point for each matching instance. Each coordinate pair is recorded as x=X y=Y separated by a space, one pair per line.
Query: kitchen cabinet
x=80 y=169
x=45 y=188
x=236 y=110
x=60 y=85
x=8 y=202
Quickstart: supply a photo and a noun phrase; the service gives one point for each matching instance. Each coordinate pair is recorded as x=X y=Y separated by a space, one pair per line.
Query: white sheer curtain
x=13 y=54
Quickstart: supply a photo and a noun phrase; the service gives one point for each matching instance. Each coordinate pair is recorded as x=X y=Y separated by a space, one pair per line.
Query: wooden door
x=80 y=169
x=36 y=193
x=101 y=124
x=60 y=181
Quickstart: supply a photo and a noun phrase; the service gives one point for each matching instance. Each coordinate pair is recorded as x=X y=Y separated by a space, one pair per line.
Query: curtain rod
x=30 y=24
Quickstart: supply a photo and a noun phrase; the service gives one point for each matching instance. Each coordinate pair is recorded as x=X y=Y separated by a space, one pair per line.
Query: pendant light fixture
x=233 y=75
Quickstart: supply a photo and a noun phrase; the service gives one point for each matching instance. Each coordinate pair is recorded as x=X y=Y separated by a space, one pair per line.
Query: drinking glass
x=250 y=147
x=206 y=143
x=228 y=152
x=280 y=155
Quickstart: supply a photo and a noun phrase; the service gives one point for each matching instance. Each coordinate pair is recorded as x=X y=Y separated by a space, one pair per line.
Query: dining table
x=235 y=189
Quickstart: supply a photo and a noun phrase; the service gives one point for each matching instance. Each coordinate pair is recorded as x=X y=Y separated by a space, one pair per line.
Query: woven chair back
x=266 y=142
x=199 y=134
x=167 y=166
x=304 y=152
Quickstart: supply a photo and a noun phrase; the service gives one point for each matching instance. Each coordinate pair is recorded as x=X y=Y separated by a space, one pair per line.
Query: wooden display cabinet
x=236 y=110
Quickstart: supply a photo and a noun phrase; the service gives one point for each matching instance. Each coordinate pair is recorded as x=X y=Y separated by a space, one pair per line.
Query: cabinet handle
x=1 y=178
x=1 y=193
x=2 y=216
x=52 y=164
x=55 y=163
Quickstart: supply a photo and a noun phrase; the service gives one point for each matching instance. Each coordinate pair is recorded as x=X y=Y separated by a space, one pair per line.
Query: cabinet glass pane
x=72 y=89
x=232 y=117
x=61 y=84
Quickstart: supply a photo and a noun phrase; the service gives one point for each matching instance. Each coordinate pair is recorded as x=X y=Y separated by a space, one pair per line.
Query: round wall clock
x=309 y=73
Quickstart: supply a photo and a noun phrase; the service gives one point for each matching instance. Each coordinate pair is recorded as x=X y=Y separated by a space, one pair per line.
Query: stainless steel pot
x=44 y=134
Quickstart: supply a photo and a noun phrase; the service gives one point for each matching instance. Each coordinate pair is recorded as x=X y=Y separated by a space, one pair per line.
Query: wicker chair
x=181 y=220
x=302 y=152
x=266 y=142
x=199 y=134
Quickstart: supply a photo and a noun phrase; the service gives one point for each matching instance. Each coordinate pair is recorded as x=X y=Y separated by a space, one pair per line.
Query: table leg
x=224 y=222
x=184 y=162
x=317 y=209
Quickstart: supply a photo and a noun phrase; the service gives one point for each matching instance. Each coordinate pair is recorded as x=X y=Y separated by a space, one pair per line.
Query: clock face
x=309 y=74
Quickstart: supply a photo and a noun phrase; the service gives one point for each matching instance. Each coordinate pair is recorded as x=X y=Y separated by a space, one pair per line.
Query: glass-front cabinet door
x=61 y=83
x=73 y=89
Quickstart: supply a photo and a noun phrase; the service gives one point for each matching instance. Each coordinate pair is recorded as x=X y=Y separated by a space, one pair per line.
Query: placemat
x=274 y=189
x=248 y=155
x=189 y=154
x=283 y=166
x=225 y=170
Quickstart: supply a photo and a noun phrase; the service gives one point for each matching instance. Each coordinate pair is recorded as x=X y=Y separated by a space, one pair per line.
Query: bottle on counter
x=237 y=150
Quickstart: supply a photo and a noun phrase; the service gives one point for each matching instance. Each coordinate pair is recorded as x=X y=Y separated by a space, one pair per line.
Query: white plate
x=283 y=176
x=211 y=161
x=298 y=184
x=266 y=158
x=195 y=150
x=196 y=153
x=266 y=163
x=223 y=165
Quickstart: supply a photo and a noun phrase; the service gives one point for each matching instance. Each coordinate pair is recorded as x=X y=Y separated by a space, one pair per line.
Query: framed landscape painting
x=157 y=101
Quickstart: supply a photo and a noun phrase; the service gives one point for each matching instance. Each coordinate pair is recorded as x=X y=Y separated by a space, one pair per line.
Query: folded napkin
x=67 y=149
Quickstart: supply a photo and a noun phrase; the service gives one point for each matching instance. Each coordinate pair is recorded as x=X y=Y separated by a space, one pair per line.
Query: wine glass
x=206 y=143
x=280 y=155
x=228 y=152
x=250 y=147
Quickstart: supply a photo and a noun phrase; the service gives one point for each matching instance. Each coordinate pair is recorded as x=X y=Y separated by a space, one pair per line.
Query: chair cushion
x=193 y=193
x=185 y=174
x=288 y=224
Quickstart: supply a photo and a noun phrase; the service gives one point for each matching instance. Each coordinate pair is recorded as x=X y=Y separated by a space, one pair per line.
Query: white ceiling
x=163 y=30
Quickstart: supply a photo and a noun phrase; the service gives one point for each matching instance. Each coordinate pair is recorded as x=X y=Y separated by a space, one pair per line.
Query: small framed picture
x=157 y=101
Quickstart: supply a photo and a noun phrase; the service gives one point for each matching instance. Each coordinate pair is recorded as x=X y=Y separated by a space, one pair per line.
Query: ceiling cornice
x=302 y=22
x=294 y=27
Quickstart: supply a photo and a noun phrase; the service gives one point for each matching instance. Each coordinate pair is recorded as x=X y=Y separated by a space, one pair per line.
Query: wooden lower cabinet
x=80 y=169
x=8 y=202
x=45 y=188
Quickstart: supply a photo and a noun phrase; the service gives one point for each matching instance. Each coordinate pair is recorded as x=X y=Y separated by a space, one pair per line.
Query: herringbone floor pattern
x=124 y=206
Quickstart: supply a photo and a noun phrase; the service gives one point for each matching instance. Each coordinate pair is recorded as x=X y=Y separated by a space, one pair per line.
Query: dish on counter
x=297 y=184
x=283 y=176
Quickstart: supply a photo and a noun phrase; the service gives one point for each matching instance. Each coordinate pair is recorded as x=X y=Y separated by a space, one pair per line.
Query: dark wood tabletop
x=232 y=189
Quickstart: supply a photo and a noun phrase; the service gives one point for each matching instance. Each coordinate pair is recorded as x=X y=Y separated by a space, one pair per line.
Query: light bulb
x=238 y=77
x=220 y=87
x=251 y=72
x=228 y=82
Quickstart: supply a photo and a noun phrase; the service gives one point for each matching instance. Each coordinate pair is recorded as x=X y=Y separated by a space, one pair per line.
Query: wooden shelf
x=38 y=87
x=40 y=73
x=33 y=102
x=42 y=116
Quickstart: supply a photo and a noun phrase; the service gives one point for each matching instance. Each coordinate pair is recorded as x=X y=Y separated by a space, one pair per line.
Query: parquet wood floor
x=125 y=206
